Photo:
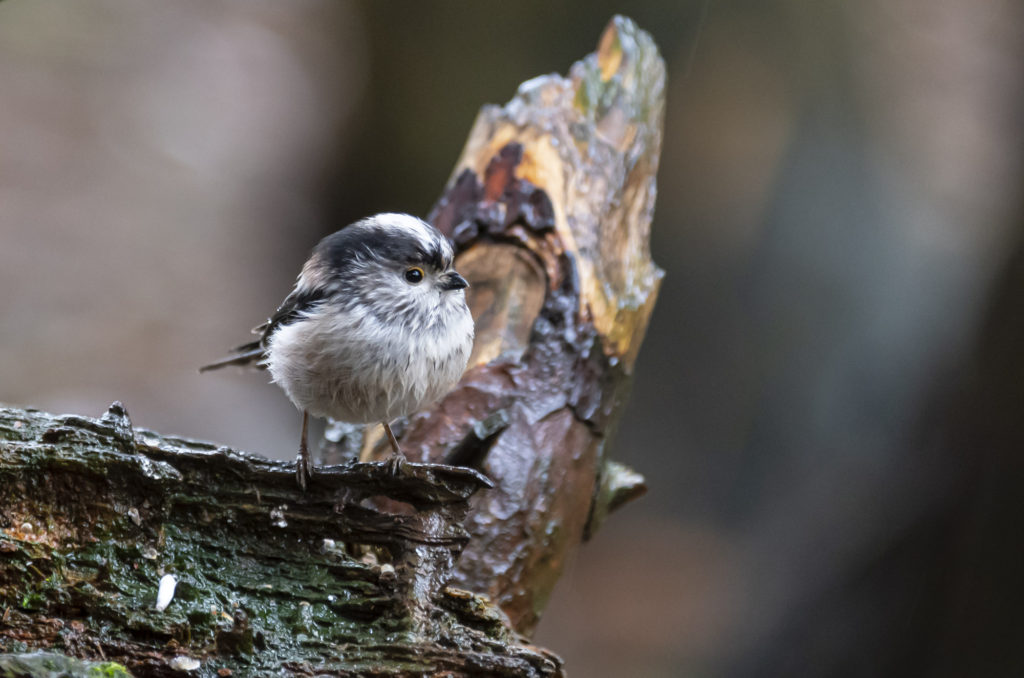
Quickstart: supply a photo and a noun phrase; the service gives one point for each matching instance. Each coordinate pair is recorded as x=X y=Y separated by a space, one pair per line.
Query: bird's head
x=397 y=266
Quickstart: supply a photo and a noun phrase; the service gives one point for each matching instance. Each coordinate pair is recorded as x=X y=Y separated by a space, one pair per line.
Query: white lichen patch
x=166 y=592
x=387 y=572
x=277 y=518
x=183 y=663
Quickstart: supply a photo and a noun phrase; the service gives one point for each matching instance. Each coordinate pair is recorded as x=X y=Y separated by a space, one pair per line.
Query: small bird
x=375 y=328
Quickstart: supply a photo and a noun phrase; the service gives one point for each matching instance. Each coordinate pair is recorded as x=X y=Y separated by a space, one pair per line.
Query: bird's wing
x=301 y=300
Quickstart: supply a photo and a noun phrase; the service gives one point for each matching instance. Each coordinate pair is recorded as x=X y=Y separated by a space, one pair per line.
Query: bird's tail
x=245 y=355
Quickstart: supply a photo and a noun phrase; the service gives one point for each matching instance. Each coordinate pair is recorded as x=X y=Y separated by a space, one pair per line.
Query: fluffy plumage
x=376 y=327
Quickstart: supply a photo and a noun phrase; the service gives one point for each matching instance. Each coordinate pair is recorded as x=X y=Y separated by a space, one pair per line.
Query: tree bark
x=269 y=579
x=550 y=208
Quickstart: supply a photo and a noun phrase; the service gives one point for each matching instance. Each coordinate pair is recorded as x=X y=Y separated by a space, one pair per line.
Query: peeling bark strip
x=254 y=576
x=100 y=525
x=550 y=209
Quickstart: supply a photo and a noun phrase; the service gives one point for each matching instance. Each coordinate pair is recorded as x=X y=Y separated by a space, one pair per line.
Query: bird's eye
x=414 y=274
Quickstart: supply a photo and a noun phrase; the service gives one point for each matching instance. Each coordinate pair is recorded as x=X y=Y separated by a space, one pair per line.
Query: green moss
x=52 y=665
x=108 y=670
x=231 y=599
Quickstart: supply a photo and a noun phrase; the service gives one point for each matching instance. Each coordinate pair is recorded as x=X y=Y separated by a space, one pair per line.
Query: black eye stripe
x=347 y=247
x=433 y=258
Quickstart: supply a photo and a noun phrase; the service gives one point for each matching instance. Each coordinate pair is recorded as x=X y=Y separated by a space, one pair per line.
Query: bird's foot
x=396 y=462
x=303 y=468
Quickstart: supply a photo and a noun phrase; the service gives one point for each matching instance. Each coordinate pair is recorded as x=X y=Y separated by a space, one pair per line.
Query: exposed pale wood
x=550 y=207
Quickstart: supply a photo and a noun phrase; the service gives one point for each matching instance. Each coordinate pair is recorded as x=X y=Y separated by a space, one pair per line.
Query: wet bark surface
x=268 y=578
x=550 y=209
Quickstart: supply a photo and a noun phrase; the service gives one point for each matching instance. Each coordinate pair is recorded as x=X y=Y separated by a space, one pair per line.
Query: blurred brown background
x=829 y=403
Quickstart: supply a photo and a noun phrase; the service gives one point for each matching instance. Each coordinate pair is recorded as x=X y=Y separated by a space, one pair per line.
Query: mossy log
x=443 y=569
x=268 y=579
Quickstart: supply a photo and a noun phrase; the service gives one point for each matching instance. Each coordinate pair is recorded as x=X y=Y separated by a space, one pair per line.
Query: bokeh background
x=829 y=404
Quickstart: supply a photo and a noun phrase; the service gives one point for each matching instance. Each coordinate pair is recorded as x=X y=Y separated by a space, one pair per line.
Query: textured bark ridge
x=270 y=580
x=550 y=208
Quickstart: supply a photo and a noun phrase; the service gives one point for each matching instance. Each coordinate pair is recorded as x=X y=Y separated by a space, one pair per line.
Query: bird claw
x=303 y=463
x=303 y=469
x=396 y=463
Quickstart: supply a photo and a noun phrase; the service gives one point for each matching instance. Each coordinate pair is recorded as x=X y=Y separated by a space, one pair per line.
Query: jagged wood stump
x=550 y=209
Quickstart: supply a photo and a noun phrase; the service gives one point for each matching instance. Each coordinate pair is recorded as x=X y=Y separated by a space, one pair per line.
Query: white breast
x=355 y=367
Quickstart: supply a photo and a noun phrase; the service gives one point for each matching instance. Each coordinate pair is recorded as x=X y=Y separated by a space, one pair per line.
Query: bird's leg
x=303 y=464
x=397 y=459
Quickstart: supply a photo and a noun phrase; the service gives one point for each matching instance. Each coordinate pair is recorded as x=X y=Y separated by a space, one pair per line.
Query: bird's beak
x=453 y=281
